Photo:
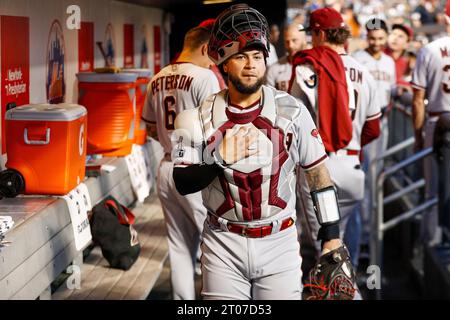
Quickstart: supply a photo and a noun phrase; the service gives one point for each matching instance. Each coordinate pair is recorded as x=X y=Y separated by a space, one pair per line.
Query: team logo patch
x=180 y=153
x=180 y=150
x=315 y=133
x=311 y=82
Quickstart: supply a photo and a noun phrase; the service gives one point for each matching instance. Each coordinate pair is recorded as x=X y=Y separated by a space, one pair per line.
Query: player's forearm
x=418 y=111
x=319 y=181
x=152 y=131
x=318 y=178
x=195 y=177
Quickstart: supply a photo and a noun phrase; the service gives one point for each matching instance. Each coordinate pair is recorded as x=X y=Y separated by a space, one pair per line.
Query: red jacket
x=334 y=123
x=401 y=66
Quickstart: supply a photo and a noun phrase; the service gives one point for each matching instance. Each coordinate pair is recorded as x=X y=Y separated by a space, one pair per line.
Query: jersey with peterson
x=177 y=87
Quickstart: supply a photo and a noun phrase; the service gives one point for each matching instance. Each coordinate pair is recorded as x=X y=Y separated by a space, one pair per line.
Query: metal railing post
x=377 y=200
x=379 y=229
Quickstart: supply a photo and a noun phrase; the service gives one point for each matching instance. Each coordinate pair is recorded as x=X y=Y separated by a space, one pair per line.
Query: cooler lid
x=121 y=77
x=142 y=73
x=47 y=112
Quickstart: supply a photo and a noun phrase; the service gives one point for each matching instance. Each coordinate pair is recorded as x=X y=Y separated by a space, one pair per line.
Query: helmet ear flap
x=221 y=52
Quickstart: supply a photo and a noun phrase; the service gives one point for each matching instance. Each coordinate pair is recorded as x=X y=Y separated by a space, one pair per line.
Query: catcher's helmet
x=235 y=29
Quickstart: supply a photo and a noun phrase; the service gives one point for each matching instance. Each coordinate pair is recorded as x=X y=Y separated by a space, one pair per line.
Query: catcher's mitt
x=332 y=278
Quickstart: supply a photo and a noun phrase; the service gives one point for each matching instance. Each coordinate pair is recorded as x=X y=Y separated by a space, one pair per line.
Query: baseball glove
x=332 y=278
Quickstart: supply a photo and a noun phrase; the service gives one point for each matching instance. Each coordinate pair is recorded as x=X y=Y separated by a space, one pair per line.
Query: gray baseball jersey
x=432 y=73
x=279 y=74
x=344 y=167
x=383 y=71
x=175 y=88
x=305 y=88
x=271 y=169
x=367 y=103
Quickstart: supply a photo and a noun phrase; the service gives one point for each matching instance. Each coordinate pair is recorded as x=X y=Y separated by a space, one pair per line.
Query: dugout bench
x=42 y=244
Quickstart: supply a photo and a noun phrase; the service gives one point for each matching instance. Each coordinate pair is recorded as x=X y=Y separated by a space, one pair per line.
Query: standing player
x=241 y=147
x=380 y=65
x=177 y=87
x=310 y=85
x=366 y=128
x=279 y=74
x=382 y=68
x=431 y=80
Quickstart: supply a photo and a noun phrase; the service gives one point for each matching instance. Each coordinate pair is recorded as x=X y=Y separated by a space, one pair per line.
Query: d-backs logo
x=110 y=45
x=55 y=82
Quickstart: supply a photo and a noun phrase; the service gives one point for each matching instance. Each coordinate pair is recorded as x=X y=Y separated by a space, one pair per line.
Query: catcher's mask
x=235 y=29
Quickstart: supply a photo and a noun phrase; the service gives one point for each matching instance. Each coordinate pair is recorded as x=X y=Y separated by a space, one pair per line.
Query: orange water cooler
x=144 y=76
x=46 y=149
x=110 y=99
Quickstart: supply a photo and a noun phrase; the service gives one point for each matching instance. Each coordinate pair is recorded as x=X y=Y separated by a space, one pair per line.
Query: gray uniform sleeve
x=148 y=112
x=270 y=76
x=207 y=86
x=311 y=149
x=419 y=76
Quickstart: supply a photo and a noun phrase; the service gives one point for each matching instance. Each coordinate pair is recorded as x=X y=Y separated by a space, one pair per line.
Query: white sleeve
x=310 y=145
x=187 y=138
x=148 y=111
x=206 y=87
x=273 y=57
x=419 y=76
x=270 y=76
x=305 y=86
x=185 y=154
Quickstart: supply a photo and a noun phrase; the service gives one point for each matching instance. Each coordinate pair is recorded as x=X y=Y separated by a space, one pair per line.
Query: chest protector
x=261 y=185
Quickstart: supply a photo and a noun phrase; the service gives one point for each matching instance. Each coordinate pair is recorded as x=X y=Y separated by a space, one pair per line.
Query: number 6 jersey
x=177 y=87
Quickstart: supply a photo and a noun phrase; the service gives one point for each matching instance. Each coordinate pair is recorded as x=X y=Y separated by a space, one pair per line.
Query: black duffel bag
x=111 y=228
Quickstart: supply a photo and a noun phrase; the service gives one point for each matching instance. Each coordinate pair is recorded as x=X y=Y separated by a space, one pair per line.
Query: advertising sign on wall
x=55 y=75
x=15 y=65
x=157 y=47
x=128 y=45
x=86 y=47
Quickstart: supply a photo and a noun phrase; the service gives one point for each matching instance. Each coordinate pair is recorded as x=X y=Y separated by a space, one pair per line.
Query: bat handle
x=100 y=46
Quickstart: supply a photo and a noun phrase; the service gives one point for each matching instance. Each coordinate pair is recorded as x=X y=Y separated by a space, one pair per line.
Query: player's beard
x=245 y=89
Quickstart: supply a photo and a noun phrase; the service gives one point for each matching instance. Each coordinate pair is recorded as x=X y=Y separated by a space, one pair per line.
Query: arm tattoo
x=318 y=178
